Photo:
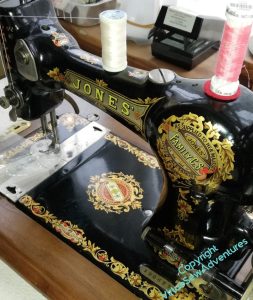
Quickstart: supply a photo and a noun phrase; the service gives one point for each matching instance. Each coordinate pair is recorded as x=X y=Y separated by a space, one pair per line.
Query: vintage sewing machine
x=182 y=227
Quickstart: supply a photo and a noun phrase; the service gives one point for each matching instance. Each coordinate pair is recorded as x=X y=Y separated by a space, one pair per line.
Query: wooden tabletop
x=46 y=262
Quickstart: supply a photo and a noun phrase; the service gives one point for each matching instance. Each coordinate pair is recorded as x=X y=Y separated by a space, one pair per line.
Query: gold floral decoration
x=135 y=279
x=114 y=192
x=184 y=209
x=56 y=74
x=143 y=157
x=171 y=258
x=195 y=201
x=178 y=235
x=100 y=82
x=187 y=203
x=77 y=236
x=185 y=294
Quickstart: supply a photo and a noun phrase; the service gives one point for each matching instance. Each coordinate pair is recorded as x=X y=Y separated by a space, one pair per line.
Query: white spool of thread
x=113 y=39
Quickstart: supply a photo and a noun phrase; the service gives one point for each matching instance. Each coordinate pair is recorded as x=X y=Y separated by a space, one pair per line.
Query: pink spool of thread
x=224 y=85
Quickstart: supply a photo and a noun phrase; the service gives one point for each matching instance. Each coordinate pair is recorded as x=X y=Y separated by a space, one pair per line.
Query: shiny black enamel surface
x=234 y=120
x=65 y=196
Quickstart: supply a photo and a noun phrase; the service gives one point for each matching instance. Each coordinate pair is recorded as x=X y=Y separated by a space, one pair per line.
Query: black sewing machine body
x=204 y=147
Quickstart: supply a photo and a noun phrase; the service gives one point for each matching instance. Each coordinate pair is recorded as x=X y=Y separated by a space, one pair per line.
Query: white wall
x=206 y=7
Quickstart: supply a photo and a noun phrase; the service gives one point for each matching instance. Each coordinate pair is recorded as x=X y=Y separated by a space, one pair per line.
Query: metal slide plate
x=22 y=173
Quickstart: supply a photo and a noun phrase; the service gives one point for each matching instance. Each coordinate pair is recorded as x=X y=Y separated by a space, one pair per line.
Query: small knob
x=161 y=76
x=12 y=96
x=13 y=115
x=4 y=102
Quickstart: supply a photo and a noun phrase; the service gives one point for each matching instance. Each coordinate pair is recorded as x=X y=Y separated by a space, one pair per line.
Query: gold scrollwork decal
x=143 y=157
x=77 y=236
x=178 y=234
x=192 y=149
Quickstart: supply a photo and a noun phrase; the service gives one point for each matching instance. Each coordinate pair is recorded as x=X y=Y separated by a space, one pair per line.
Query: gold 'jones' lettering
x=87 y=89
x=125 y=109
x=77 y=84
x=99 y=94
x=111 y=101
x=94 y=92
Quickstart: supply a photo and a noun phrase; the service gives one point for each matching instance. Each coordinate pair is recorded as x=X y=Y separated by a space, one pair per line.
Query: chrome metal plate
x=29 y=171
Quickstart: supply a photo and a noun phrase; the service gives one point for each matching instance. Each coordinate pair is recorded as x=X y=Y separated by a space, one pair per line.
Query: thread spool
x=113 y=39
x=224 y=85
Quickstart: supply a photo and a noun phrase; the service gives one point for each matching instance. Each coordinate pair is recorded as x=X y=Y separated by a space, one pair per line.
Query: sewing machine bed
x=107 y=234
x=97 y=203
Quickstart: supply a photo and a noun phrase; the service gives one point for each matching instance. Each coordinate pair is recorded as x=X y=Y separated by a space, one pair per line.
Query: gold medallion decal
x=192 y=150
x=115 y=192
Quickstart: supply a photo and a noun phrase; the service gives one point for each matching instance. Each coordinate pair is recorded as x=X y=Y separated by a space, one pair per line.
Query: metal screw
x=161 y=76
x=22 y=57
